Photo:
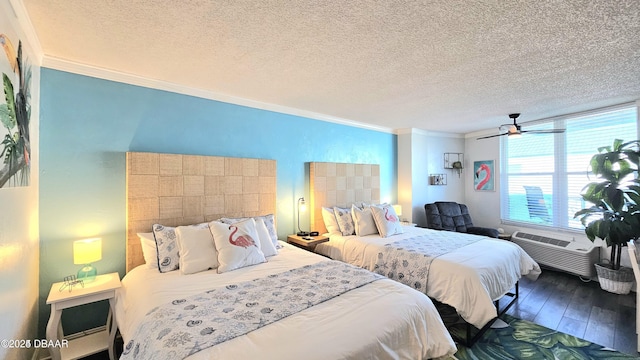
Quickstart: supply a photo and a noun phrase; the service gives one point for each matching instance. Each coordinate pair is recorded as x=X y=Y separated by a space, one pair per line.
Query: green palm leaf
x=10 y=98
x=5 y=117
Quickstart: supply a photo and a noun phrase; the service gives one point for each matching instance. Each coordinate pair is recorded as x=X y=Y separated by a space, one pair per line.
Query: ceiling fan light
x=514 y=135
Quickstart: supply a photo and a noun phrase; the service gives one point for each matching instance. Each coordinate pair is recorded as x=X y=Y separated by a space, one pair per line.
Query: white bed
x=469 y=279
x=380 y=320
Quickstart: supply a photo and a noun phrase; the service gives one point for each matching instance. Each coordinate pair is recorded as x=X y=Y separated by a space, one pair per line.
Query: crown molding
x=428 y=133
x=117 y=76
x=481 y=133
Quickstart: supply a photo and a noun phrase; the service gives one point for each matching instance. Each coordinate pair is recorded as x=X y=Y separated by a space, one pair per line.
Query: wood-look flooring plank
x=580 y=303
x=553 y=309
x=601 y=327
x=625 y=335
x=572 y=327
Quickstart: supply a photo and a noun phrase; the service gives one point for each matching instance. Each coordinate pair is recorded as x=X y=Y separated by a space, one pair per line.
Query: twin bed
x=376 y=318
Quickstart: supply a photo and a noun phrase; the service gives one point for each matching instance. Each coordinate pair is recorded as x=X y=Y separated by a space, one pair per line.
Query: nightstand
x=102 y=288
x=306 y=244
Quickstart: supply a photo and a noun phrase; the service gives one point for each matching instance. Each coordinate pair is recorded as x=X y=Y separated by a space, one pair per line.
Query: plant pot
x=615 y=281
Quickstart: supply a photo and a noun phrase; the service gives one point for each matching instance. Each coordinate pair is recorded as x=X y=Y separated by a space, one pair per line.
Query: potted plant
x=615 y=212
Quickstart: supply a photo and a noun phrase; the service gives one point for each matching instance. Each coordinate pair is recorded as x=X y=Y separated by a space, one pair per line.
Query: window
x=543 y=174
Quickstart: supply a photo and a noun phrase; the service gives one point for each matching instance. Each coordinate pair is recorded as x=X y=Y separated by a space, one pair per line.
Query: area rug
x=512 y=338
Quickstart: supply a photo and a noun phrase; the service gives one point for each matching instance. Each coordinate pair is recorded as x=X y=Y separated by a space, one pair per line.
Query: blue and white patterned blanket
x=408 y=260
x=188 y=325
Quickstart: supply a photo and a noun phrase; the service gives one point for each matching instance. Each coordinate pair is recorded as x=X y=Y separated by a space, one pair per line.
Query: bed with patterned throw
x=467 y=272
x=348 y=313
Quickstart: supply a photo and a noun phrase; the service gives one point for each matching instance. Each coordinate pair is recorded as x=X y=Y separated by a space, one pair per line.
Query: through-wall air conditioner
x=570 y=256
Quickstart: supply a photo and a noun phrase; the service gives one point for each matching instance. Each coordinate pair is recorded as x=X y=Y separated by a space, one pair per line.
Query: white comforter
x=381 y=320
x=469 y=278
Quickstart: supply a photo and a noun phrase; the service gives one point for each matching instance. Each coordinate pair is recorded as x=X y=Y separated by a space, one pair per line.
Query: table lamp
x=398 y=210
x=86 y=252
x=302 y=206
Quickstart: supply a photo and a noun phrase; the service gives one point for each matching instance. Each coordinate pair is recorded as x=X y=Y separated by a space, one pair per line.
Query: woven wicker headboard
x=340 y=184
x=178 y=190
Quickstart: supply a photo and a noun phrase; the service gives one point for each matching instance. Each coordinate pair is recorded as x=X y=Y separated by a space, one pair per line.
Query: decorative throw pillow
x=265 y=239
x=196 y=249
x=149 y=252
x=387 y=220
x=345 y=221
x=330 y=221
x=363 y=221
x=167 y=246
x=269 y=221
x=237 y=244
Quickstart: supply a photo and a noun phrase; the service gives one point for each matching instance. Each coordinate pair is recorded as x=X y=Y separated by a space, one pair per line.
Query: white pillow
x=345 y=221
x=196 y=249
x=167 y=246
x=329 y=219
x=265 y=239
x=149 y=251
x=387 y=220
x=269 y=221
x=237 y=244
x=363 y=221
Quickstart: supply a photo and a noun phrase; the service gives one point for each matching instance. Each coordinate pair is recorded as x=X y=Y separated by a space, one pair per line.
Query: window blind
x=543 y=174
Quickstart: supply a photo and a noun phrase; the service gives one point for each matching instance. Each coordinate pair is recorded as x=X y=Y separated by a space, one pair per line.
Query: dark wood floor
x=565 y=303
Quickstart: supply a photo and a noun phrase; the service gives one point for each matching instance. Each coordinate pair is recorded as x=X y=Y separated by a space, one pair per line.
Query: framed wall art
x=484 y=175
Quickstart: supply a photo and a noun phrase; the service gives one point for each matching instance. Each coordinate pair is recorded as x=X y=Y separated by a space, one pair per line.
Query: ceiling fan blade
x=550 y=131
x=515 y=129
x=490 y=136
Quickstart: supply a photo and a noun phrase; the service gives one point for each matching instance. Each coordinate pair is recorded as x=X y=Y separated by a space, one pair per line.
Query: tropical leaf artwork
x=15 y=113
x=521 y=339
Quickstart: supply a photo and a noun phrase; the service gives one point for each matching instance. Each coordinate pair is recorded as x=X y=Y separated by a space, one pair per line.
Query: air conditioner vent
x=573 y=257
x=544 y=239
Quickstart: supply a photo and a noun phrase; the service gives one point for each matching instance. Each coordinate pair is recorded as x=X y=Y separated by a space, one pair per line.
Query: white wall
x=421 y=153
x=19 y=240
x=484 y=206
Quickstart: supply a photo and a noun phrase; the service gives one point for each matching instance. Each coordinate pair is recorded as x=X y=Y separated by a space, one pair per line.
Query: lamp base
x=303 y=233
x=87 y=273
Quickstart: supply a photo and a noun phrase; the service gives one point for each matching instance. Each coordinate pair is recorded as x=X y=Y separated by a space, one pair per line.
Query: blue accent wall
x=87 y=125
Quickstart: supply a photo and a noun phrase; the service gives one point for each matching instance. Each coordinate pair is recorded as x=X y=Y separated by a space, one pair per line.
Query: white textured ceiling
x=442 y=65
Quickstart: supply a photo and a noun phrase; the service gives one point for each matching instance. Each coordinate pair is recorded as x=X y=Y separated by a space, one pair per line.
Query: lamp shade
x=87 y=251
x=398 y=209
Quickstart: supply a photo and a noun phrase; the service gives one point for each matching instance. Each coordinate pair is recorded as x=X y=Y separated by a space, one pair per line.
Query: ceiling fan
x=515 y=130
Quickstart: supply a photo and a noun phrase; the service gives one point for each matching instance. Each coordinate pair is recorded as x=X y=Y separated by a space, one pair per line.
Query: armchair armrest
x=492 y=233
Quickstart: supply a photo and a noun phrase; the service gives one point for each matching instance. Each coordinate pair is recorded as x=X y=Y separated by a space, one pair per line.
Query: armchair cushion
x=451 y=216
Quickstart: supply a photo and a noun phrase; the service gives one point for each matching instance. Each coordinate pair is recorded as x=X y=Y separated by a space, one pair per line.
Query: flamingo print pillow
x=238 y=244
x=386 y=220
